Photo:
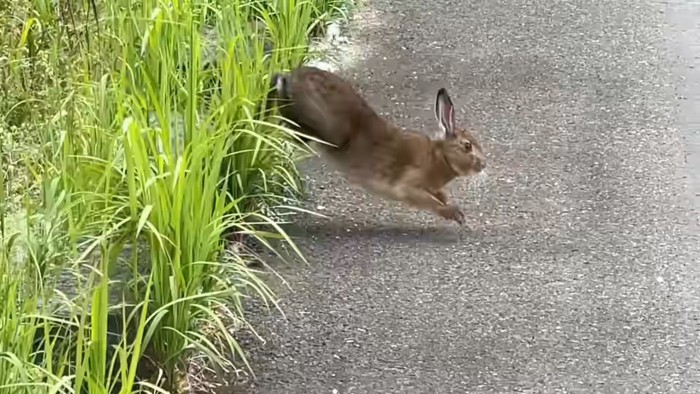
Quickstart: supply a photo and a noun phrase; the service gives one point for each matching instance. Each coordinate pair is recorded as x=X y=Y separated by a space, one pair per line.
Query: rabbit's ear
x=445 y=112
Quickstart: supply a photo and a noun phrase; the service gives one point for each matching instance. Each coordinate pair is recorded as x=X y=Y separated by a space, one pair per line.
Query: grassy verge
x=134 y=140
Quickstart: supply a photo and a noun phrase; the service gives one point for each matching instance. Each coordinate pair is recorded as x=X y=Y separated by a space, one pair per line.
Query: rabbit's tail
x=280 y=85
x=278 y=90
x=272 y=99
x=280 y=96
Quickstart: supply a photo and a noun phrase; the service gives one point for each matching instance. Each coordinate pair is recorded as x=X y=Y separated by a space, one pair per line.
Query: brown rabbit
x=373 y=153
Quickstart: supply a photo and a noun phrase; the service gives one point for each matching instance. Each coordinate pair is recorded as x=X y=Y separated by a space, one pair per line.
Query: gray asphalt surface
x=576 y=270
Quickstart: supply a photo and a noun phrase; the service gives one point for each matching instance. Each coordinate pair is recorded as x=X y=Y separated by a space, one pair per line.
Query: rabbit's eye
x=467 y=145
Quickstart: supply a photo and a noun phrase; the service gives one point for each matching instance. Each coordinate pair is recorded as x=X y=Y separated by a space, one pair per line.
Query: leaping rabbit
x=373 y=153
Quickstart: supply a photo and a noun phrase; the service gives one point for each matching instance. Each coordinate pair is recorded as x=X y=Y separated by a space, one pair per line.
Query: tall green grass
x=154 y=144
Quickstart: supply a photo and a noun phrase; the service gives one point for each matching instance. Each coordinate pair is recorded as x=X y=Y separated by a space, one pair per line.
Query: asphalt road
x=576 y=270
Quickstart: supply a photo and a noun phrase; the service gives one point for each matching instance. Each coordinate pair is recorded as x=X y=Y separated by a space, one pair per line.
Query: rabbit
x=372 y=152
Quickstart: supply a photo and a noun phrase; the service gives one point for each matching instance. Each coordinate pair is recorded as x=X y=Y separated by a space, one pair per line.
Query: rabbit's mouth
x=476 y=168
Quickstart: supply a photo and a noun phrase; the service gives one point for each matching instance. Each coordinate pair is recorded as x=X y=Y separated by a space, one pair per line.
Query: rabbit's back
x=326 y=106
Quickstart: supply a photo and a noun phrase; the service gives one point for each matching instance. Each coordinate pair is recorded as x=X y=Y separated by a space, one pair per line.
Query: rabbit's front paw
x=441 y=196
x=452 y=212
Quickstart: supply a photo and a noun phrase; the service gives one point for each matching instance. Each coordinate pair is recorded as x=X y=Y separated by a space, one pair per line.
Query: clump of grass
x=152 y=143
x=17 y=333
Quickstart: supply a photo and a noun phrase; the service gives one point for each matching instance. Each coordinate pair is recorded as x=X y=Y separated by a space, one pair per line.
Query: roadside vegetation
x=135 y=147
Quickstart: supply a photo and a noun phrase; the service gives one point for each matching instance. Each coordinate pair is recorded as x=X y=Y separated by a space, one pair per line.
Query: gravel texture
x=576 y=270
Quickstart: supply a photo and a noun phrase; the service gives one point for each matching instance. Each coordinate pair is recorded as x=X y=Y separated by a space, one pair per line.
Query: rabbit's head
x=460 y=148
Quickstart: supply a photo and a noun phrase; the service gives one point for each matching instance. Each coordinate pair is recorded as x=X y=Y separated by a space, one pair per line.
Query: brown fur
x=373 y=153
